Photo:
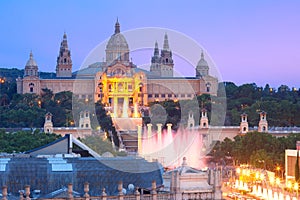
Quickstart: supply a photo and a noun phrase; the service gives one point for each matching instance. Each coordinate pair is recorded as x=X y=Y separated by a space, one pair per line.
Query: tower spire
x=166 y=42
x=30 y=55
x=156 y=50
x=65 y=36
x=117 y=26
x=64 y=61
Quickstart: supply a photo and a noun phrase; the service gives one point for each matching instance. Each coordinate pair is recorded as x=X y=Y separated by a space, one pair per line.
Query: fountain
x=170 y=147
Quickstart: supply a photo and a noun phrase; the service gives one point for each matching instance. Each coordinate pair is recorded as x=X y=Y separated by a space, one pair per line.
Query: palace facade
x=117 y=82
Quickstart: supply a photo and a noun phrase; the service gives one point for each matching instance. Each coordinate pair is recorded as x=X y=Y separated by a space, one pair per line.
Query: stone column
x=27 y=192
x=139 y=130
x=115 y=107
x=153 y=191
x=137 y=194
x=159 y=132
x=70 y=191
x=86 y=190
x=136 y=114
x=4 y=193
x=125 y=107
x=104 y=194
x=149 y=129
x=217 y=185
x=21 y=195
x=120 y=190
x=169 y=129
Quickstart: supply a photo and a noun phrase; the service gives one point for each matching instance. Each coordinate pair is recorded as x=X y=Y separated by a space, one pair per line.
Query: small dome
x=202 y=62
x=31 y=62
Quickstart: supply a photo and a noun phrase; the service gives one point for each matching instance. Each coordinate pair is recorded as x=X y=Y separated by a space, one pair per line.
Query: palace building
x=121 y=85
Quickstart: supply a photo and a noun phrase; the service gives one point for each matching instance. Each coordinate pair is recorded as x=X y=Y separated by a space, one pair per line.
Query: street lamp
x=296 y=187
x=289 y=185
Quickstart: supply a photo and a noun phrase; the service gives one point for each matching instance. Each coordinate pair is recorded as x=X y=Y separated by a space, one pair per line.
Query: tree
x=100 y=145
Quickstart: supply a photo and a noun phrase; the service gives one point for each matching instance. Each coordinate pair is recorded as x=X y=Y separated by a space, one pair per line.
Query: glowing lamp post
x=289 y=185
x=296 y=187
x=277 y=181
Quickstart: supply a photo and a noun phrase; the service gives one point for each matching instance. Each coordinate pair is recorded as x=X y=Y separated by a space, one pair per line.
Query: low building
x=54 y=166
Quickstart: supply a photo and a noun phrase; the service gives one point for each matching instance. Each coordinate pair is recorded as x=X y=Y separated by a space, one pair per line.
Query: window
x=156 y=95
x=129 y=87
x=86 y=125
x=149 y=95
x=141 y=87
x=182 y=95
x=169 y=95
x=208 y=87
x=86 y=114
x=31 y=89
x=189 y=95
x=163 y=95
x=244 y=129
x=120 y=87
x=130 y=100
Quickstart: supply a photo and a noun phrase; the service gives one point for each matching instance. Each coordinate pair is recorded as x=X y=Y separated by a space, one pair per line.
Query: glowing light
x=296 y=186
x=277 y=181
x=170 y=148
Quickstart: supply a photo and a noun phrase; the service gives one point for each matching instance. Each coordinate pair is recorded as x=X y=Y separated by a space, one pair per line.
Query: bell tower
x=244 y=127
x=263 y=123
x=167 y=63
x=48 y=125
x=155 y=61
x=64 y=61
x=191 y=120
x=84 y=120
x=204 y=118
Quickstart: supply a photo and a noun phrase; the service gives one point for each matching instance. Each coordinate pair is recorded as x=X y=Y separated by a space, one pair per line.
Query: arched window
x=141 y=87
x=120 y=87
x=208 y=87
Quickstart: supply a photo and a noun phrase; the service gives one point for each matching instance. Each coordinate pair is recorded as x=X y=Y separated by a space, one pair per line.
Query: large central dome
x=117 y=47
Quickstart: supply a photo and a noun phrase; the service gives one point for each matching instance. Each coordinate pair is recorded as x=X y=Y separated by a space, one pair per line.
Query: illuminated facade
x=117 y=82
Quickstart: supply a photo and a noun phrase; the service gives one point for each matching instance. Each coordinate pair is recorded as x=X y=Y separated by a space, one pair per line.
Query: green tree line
x=261 y=150
x=22 y=141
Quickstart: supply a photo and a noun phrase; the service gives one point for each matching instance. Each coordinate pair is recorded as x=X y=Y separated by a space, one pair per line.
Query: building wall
x=57 y=85
x=290 y=162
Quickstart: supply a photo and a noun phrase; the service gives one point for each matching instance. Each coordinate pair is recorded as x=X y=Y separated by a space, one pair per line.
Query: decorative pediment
x=118 y=70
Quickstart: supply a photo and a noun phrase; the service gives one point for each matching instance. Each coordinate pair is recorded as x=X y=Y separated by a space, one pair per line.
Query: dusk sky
x=249 y=41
